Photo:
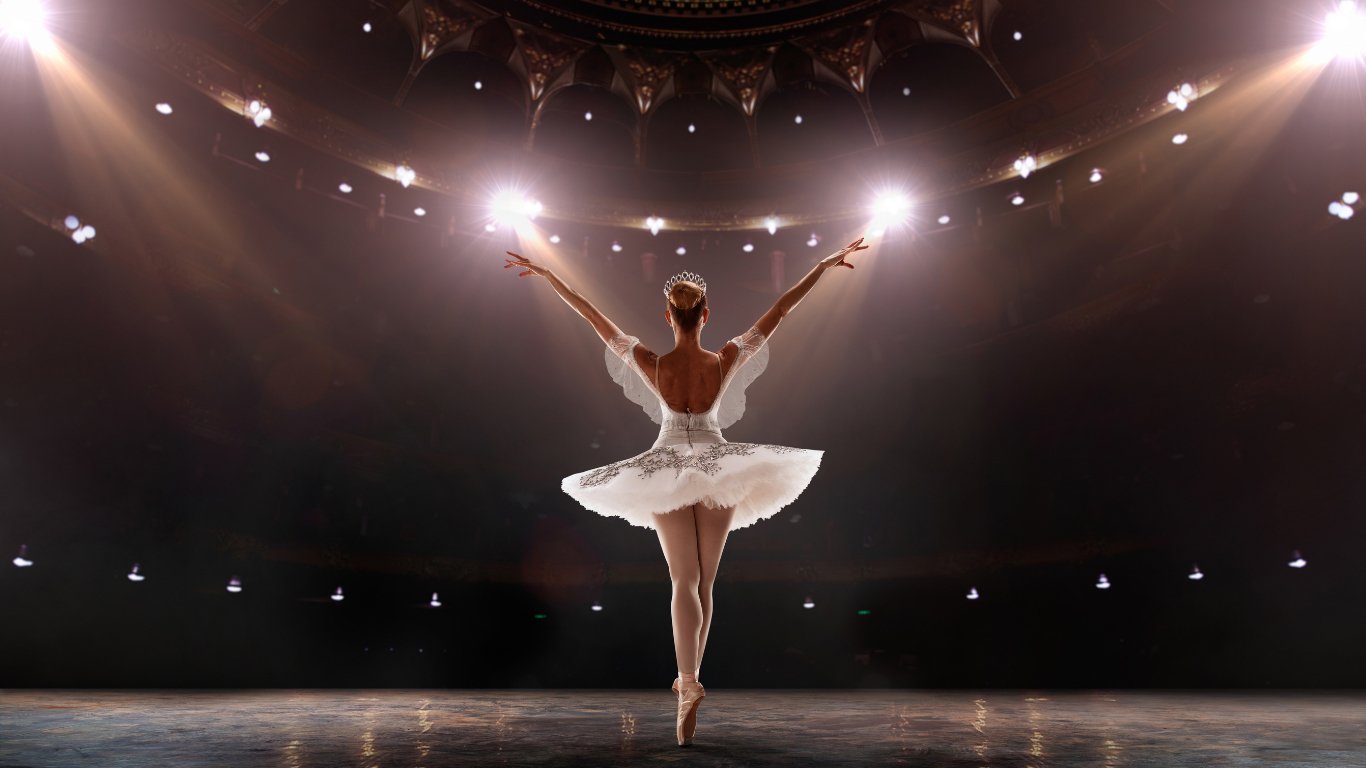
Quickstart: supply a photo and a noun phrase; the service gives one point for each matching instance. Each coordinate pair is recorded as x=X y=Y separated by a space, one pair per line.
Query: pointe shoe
x=689 y=698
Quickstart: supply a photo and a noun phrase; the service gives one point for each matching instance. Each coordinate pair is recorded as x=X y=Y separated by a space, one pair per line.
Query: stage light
x=1297 y=560
x=1017 y=199
x=555 y=239
x=490 y=227
x=808 y=604
x=1350 y=198
x=616 y=247
x=597 y=607
x=419 y=212
x=747 y=247
x=1181 y=96
x=263 y=156
x=1018 y=35
x=259 y=112
x=165 y=108
x=813 y=241
x=797 y=119
x=435 y=601
x=83 y=234
x=512 y=207
x=345 y=188
x=945 y=219
x=21 y=560
x=478 y=85
x=972 y=594
x=337 y=596
x=1102 y=582
x=654 y=223
x=906 y=91
x=1026 y=165
x=234 y=585
x=22 y=20
x=1180 y=139
x=367 y=27
x=1340 y=210
x=681 y=251
x=588 y=116
x=1195 y=574
x=405 y=175
x=1344 y=32
x=692 y=128
x=135 y=575
x=72 y=222
x=771 y=224
x=1097 y=175
x=890 y=208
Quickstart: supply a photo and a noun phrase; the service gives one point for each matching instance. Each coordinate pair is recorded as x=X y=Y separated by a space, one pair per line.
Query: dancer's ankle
x=687 y=677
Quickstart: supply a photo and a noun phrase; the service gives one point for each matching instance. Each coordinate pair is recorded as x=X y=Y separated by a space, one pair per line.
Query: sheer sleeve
x=620 y=356
x=751 y=362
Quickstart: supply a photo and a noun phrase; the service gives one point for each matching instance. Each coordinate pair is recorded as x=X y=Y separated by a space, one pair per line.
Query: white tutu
x=691 y=461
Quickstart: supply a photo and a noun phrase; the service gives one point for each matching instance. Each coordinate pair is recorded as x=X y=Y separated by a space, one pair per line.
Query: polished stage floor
x=393 y=729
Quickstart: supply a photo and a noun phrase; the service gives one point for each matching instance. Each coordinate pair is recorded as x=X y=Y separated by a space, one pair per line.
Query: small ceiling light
x=1018 y=35
x=597 y=607
x=1026 y=165
x=1344 y=33
x=1335 y=208
x=1097 y=176
x=165 y=108
x=588 y=116
x=1102 y=582
x=771 y=224
x=337 y=596
x=135 y=575
x=367 y=27
x=405 y=175
x=1195 y=574
x=1180 y=139
x=1346 y=212
x=344 y=188
x=435 y=601
x=692 y=128
x=478 y=85
x=259 y=112
x=1017 y=199
x=234 y=585
x=808 y=603
x=945 y=219
x=1181 y=96
x=747 y=247
x=1297 y=560
x=813 y=241
x=797 y=119
x=72 y=222
x=1350 y=198
x=21 y=560
x=681 y=251
x=555 y=239
x=616 y=247
x=906 y=91
x=263 y=156
x=419 y=212
x=654 y=223
x=972 y=594
x=490 y=227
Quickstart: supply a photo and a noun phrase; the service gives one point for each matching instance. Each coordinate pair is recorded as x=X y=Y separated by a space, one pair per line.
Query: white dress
x=691 y=461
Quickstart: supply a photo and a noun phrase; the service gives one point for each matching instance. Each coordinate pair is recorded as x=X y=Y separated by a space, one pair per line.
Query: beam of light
x=234 y=585
x=25 y=21
x=135 y=575
x=513 y=208
x=1344 y=34
x=889 y=208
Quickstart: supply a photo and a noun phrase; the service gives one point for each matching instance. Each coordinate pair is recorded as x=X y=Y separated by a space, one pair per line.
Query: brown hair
x=686 y=302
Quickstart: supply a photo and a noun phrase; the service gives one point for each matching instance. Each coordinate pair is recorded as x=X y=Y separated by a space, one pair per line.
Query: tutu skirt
x=755 y=478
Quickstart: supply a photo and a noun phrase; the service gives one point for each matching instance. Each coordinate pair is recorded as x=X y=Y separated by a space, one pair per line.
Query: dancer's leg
x=678 y=537
x=713 y=526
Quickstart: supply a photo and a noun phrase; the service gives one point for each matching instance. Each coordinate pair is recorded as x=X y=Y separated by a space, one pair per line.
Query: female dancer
x=693 y=487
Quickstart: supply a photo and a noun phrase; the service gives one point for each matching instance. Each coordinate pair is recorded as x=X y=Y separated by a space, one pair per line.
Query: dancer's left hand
x=533 y=269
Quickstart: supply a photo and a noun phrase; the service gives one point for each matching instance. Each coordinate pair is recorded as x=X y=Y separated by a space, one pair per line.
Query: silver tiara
x=680 y=277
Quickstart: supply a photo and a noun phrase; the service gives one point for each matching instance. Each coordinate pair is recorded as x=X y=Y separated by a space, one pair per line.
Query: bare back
x=689 y=381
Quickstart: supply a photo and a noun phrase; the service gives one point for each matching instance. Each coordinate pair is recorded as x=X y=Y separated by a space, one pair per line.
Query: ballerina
x=693 y=487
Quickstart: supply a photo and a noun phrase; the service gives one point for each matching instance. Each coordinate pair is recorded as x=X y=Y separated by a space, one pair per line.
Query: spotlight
x=22 y=19
x=1180 y=139
x=345 y=188
x=367 y=27
x=616 y=247
x=813 y=241
x=490 y=227
x=1018 y=35
x=1097 y=175
x=890 y=208
x=972 y=594
x=1026 y=165
x=1017 y=199
x=692 y=128
x=21 y=560
x=654 y=223
x=555 y=239
x=405 y=175
x=83 y=234
x=435 y=601
x=1181 y=96
x=1195 y=574
x=419 y=212
x=1297 y=560
x=808 y=604
x=234 y=585
x=597 y=607
x=511 y=207
x=1102 y=582
x=681 y=251
x=263 y=156
x=747 y=247
x=945 y=219
x=165 y=108
x=1350 y=198
x=588 y=116
x=259 y=112
x=771 y=224
x=797 y=119
x=135 y=575
x=478 y=85
x=337 y=596
x=72 y=222
x=1344 y=33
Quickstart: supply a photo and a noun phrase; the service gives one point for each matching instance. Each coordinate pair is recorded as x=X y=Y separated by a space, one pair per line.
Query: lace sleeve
x=751 y=362
x=620 y=356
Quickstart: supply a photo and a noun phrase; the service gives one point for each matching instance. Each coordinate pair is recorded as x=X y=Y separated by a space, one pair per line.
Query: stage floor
x=794 y=729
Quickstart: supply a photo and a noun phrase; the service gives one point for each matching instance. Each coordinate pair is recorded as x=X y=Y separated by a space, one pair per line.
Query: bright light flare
x=24 y=20
x=654 y=224
x=1344 y=33
x=771 y=224
x=405 y=175
x=513 y=208
x=889 y=208
x=1026 y=165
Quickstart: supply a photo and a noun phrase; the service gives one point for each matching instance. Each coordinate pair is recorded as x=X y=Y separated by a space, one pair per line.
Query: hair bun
x=685 y=294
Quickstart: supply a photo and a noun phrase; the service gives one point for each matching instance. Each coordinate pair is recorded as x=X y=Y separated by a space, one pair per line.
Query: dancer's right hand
x=836 y=259
x=523 y=262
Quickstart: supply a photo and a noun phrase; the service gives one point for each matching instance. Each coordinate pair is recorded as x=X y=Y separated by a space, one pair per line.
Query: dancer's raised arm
x=607 y=329
x=794 y=295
